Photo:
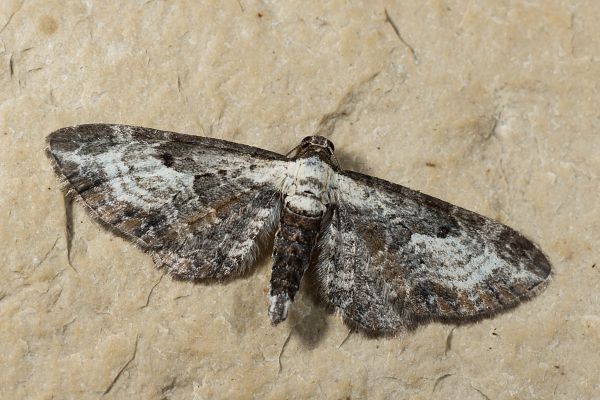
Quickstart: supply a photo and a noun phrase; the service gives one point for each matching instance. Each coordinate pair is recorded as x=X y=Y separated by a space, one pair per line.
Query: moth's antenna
x=334 y=158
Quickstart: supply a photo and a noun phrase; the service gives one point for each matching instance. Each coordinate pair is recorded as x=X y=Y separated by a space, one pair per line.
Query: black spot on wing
x=442 y=231
x=167 y=159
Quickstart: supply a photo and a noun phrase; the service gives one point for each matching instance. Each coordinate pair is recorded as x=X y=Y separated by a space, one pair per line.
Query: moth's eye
x=330 y=147
x=306 y=139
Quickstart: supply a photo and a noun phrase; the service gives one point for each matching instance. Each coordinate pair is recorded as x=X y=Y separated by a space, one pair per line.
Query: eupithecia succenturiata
x=386 y=258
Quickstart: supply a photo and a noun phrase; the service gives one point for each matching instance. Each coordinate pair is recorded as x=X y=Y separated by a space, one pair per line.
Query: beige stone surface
x=492 y=105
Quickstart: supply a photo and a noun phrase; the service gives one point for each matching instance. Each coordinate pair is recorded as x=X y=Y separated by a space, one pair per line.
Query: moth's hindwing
x=200 y=206
x=392 y=258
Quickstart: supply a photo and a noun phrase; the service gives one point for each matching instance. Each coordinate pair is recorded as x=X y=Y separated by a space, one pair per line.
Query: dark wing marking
x=200 y=206
x=393 y=258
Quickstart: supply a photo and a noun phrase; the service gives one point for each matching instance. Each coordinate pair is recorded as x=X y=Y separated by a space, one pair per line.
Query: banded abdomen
x=304 y=206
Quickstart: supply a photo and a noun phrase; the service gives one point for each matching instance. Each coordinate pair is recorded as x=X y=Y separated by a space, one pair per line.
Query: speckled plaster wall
x=492 y=105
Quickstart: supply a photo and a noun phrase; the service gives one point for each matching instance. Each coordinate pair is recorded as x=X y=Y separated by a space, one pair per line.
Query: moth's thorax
x=308 y=186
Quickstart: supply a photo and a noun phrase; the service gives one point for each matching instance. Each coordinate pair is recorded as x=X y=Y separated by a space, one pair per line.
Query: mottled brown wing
x=200 y=206
x=393 y=258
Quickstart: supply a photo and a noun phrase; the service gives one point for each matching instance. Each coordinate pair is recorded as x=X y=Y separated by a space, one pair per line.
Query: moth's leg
x=294 y=243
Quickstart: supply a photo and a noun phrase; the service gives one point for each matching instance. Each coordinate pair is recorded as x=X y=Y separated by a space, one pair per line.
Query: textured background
x=491 y=105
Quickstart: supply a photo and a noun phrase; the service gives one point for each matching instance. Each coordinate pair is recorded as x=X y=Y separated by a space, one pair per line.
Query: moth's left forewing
x=200 y=205
x=433 y=260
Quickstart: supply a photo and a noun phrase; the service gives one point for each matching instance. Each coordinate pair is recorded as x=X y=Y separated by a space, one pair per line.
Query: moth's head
x=315 y=145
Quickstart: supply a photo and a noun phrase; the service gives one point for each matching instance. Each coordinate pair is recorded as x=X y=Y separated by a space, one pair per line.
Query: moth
x=384 y=257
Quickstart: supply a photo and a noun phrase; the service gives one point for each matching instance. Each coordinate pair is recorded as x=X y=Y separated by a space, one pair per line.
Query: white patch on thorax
x=308 y=185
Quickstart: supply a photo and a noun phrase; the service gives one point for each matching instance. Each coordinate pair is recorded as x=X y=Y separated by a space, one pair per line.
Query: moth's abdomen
x=303 y=208
x=294 y=243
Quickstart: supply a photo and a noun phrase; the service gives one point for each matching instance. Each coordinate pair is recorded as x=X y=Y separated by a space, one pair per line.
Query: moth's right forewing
x=414 y=258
